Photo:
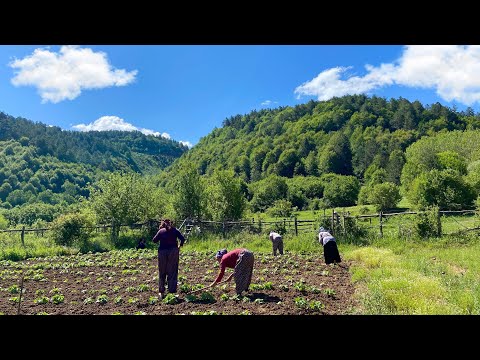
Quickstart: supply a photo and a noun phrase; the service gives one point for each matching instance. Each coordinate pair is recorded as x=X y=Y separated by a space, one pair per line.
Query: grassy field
x=391 y=275
x=418 y=277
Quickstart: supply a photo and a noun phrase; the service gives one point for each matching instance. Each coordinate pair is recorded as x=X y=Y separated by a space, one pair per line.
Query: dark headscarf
x=220 y=253
x=166 y=223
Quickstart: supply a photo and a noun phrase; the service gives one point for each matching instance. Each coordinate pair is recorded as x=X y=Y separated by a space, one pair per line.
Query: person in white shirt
x=330 y=249
x=277 y=242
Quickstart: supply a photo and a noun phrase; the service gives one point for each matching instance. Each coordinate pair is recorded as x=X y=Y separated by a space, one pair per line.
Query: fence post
x=380 y=219
x=22 y=235
x=344 y=227
x=223 y=229
x=333 y=222
x=439 y=223
x=296 y=227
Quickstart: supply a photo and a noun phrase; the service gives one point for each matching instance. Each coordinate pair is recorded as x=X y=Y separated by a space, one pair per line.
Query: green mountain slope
x=343 y=135
x=107 y=150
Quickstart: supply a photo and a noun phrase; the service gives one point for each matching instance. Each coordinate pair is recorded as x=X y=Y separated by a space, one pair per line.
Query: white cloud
x=106 y=123
x=268 y=102
x=186 y=143
x=453 y=71
x=63 y=75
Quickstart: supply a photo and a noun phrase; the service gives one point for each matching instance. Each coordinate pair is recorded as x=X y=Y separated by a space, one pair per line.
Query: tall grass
x=11 y=247
x=435 y=276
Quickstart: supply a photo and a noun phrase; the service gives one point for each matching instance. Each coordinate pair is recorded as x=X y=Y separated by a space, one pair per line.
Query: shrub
x=385 y=196
x=443 y=188
x=281 y=208
x=341 y=190
x=3 y=222
x=72 y=229
x=428 y=224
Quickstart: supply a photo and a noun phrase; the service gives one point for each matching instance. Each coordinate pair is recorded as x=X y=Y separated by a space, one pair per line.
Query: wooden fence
x=291 y=225
x=150 y=226
x=336 y=224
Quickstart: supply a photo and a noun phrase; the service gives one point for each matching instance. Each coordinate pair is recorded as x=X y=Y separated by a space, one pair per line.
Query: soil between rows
x=292 y=284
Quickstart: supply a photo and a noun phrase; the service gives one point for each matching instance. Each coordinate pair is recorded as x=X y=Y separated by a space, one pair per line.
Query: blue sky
x=184 y=92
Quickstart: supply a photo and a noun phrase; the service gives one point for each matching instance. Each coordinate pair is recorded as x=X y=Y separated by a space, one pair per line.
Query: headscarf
x=166 y=223
x=220 y=253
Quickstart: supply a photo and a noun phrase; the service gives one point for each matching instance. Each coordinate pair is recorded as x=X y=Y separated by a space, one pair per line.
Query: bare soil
x=127 y=283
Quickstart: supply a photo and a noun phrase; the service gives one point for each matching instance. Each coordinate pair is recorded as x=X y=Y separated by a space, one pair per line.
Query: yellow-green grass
x=11 y=247
x=417 y=277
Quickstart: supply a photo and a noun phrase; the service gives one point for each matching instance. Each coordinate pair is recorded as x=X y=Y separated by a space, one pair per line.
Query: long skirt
x=243 y=271
x=168 y=269
x=330 y=252
x=277 y=244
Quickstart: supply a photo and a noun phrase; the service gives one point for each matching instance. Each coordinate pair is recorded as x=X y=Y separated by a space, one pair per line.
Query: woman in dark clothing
x=168 y=256
x=141 y=244
x=330 y=249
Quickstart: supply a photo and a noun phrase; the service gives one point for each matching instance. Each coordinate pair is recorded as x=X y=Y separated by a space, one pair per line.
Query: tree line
x=336 y=153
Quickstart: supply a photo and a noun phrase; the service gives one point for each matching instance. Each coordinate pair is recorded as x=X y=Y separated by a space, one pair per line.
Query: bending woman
x=241 y=261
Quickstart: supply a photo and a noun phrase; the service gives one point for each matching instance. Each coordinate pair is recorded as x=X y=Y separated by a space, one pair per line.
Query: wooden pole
x=22 y=235
x=296 y=227
x=333 y=222
x=380 y=219
x=439 y=224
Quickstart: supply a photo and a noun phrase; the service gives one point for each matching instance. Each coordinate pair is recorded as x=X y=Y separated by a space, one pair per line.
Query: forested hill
x=104 y=150
x=343 y=135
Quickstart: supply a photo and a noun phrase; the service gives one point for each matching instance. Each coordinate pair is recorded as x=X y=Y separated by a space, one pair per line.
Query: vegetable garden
x=126 y=282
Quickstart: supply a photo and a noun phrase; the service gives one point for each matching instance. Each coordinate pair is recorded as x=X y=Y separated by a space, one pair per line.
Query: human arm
x=156 y=238
x=320 y=238
x=220 y=275
x=180 y=237
x=229 y=278
x=214 y=283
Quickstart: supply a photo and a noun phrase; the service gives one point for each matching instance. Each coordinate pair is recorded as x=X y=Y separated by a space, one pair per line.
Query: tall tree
x=225 y=196
x=336 y=157
x=188 y=200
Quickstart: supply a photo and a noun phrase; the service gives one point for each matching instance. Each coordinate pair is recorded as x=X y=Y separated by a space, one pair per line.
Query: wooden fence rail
x=336 y=221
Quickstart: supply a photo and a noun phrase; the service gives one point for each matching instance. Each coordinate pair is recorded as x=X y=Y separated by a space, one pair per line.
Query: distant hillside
x=105 y=150
x=343 y=135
